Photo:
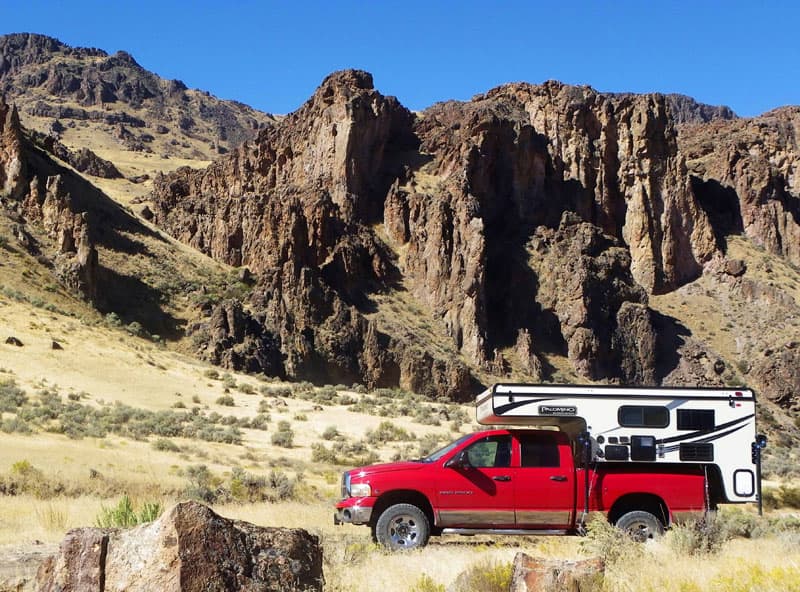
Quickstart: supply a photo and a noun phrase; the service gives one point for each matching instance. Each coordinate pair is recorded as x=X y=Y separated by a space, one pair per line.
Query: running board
x=509 y=531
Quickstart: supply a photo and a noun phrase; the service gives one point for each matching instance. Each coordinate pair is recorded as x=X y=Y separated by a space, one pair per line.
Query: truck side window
x=493 y=451
x=539 y=452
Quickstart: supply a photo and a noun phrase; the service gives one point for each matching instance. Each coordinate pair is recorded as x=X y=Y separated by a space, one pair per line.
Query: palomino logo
x=558 y=410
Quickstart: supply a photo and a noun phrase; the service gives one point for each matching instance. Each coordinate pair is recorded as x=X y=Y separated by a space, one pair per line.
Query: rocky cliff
x=530 y=221
x=113 y=95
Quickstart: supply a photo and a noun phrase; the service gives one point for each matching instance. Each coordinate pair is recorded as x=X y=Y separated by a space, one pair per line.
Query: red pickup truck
x=514 y=481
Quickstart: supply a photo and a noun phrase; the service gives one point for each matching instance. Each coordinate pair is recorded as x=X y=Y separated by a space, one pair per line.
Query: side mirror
x=459 y=461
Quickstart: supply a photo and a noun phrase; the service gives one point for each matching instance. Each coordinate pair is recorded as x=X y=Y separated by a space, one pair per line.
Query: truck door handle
x=501 y=478
x=558 y=478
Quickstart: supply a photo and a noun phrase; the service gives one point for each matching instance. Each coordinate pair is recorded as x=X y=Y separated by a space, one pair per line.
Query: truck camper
x=644 y=457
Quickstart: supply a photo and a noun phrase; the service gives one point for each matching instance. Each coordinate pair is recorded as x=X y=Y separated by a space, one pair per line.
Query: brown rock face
x=188 y=549
x=44 y=199
x=114 y=90
x=745 y=176
x=585 y=280
x=460 y=190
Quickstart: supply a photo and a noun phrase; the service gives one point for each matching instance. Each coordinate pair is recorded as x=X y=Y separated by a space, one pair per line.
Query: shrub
x=425 y=583
x=11 y=396
x=123 y=515
x=246 y=388
x=486 y=576
x=212 y=374
x=228 y=381
x=697 y=537
x=165 y=445
x=388 y=432
x=330 y=433
x=284 y=437
x=608 y=542
x=226 y=401
x=202 y=484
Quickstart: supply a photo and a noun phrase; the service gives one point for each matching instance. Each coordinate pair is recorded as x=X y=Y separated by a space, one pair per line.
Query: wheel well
x=402 y=496
x=645 y=502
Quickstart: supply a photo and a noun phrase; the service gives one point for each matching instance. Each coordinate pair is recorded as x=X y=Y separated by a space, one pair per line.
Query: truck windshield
x=443 y=451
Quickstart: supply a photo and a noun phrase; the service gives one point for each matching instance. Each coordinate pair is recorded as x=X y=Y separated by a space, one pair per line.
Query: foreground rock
x=532 y=574
x=190 y=548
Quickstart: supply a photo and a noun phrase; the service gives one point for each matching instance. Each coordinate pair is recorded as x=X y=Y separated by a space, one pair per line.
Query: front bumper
x=353 y=511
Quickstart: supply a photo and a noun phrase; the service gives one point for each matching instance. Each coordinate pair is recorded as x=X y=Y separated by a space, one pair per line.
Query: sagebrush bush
x=608 y=542
x=225 y=401
x=284 y=437
x=388 y=432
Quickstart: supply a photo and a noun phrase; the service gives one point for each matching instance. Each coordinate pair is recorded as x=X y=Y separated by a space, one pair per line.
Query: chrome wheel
x=404 y=531
x=402 y=527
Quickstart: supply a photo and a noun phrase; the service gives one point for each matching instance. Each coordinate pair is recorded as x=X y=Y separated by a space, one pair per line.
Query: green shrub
x=212 y=374
x=123 y=515
x=202 y=484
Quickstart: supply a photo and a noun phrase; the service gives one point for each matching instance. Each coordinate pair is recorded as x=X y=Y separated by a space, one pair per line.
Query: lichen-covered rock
x=533 y=574
x=188 y=549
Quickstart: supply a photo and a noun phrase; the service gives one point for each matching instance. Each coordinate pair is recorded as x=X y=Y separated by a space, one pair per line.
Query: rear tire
x=641 y=526
x=402 y=527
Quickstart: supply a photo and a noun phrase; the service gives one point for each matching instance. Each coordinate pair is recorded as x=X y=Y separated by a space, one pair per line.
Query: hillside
x=537 y=232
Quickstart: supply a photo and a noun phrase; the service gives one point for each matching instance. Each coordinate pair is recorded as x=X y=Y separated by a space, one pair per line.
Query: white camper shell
x=714 y=427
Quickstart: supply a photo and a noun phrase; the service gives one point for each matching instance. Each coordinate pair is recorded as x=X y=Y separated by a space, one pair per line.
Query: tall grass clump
x=124 y=515
x=486 y=576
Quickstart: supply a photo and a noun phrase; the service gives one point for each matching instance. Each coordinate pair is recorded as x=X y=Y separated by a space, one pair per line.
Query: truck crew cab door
x=544 y=493
x=478 y=491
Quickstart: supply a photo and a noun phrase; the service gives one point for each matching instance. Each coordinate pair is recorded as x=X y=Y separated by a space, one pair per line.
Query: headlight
x=360 y=490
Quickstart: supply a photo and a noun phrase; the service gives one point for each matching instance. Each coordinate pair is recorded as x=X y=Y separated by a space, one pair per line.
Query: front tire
x=641 y=526
x=402 y=527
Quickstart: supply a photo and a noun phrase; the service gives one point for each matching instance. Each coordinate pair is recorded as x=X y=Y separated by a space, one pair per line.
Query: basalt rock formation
x=188 y=549
x=745 y=174
x=352 y=196
x=39 y=192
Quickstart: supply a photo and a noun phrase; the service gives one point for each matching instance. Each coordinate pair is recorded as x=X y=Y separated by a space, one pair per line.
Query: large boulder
x=533 y=574
x=188 y=549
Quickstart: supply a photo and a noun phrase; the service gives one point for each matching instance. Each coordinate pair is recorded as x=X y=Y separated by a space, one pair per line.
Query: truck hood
x=387 y=467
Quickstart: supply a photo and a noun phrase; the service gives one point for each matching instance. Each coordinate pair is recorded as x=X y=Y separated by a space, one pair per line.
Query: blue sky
x=272 y=55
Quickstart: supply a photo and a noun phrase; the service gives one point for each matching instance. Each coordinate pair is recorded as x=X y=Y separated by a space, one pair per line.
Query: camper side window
x=696 y=419
x=643 y=416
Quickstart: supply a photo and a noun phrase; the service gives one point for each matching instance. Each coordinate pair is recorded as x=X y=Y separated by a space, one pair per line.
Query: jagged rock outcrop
x=188 y=549
x=745 y=175
x=112 y=90
x=459 y=190
x=585 y=280
x=82 y=160
x=686 y=110
x=36 y=189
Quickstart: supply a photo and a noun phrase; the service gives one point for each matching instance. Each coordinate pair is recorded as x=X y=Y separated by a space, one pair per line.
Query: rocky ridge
x=113 y=95
x=522 y=235
x=464 y=205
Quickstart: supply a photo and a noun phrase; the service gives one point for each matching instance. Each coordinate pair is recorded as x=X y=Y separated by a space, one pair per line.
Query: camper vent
x=697 y=451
